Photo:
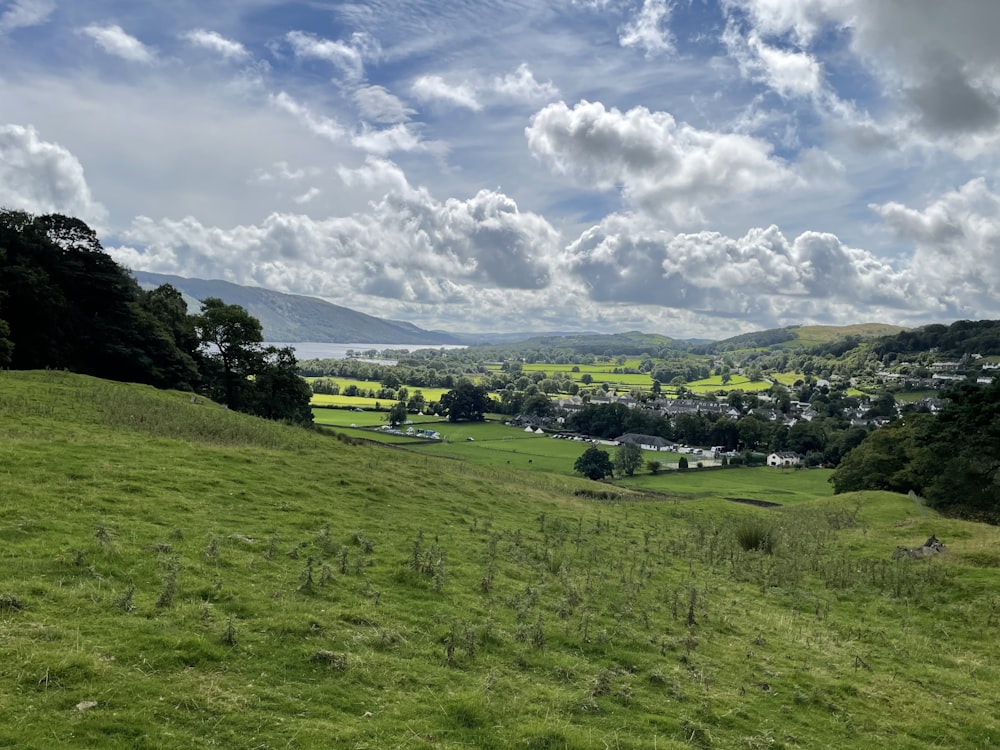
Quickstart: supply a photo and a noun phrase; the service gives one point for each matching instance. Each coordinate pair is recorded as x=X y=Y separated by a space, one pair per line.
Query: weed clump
x=10 y=603
x=754 y=535
x=337 y=662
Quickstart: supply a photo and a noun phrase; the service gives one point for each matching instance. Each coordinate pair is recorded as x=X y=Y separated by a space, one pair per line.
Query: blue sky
x=692 y=168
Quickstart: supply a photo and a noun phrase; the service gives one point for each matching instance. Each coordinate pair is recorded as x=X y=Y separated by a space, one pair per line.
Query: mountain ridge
x=295 y=318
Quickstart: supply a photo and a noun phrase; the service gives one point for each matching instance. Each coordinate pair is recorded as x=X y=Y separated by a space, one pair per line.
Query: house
x=646 y=442
x=785 y=458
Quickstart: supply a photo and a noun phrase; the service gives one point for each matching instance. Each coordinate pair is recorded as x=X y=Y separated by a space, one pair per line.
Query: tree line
x=66 y=304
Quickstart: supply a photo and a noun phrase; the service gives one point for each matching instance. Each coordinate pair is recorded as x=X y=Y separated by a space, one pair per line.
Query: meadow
x=176 y=575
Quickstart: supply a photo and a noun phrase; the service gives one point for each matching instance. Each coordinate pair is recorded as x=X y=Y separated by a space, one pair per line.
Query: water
x=322 y=350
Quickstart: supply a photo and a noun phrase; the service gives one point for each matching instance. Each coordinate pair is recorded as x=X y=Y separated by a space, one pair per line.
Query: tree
x=682 y=463
x=466 y=402
x=397 y=414
x=654 y=466
x=538 y=405
x=230 y=339
x=416 y=402
x=881 y=461
x=628 y=458
x=277 y=390
x=594 y=463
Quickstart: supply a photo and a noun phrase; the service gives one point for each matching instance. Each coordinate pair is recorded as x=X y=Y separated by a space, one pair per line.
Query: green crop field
x=177 y=575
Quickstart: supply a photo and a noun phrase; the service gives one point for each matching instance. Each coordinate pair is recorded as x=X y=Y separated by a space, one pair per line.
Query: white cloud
x=215 y=42
x=647 y=30
x=22 y=14
x=407 y=246
x=281 y=171
x=957 y=245
x=348 y=57
x=115 y=41
x=763 y=276
x=788 y=72
x=661 y=166
x=377 y=104
x=522 y=86
x=308 y=196
x=321 y=125
x=434 y=88
x=42 y=177
x=936 y=65
x=399 y=137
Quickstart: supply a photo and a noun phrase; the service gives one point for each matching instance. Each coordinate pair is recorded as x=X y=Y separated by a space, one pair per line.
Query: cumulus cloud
x=763 y=276
x=43 y=177
x=648 y=29
x=22 y=14
x=407 y=246
x=957 y=245
x=115 y=41
x=434 y=88
x=215 y=42
x=660 y=165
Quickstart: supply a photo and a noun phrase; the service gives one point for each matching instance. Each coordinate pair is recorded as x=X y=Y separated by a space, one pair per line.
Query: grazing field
x=784 y=486
x=787 y=378
x=736 y=382
x=176 y=575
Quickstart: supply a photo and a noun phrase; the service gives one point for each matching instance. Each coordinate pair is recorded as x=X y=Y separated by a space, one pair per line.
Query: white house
x=785 y=458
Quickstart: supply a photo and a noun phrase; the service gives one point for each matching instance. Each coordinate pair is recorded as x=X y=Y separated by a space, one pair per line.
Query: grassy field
x=176 y=575
x=736 y=382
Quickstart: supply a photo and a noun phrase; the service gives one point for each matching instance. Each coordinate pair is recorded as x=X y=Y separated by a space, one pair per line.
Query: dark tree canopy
x=952 y=459
x=66 y=304
x=594 y=464
x=467 y=402
x=230 y=340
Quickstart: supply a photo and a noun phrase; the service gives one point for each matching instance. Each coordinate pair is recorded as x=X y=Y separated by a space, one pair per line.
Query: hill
x=295 y=318
x=178 y=575
x=801 y=336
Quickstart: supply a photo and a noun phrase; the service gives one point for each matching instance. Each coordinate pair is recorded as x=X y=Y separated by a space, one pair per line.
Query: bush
x=755 y=535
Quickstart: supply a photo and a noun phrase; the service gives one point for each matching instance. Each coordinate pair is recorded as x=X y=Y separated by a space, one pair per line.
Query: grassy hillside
x=176 y=575
x=801 y=336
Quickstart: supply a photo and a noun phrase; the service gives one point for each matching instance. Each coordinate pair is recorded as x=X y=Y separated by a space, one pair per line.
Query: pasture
x=176 y=575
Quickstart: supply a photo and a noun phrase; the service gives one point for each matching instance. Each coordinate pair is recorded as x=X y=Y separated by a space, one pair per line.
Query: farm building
x=785 y=458
x=646 y=442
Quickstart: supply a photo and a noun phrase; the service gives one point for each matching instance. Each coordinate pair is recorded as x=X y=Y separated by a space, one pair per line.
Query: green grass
x=174 y=575
x=736 y=382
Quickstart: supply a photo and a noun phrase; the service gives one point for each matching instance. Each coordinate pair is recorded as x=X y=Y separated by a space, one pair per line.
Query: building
x=785 y=458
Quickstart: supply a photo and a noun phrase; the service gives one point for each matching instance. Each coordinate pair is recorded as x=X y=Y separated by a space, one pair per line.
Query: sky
x=694 y=168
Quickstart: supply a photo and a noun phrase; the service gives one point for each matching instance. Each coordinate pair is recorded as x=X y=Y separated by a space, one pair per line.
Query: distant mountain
x=294 y=318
